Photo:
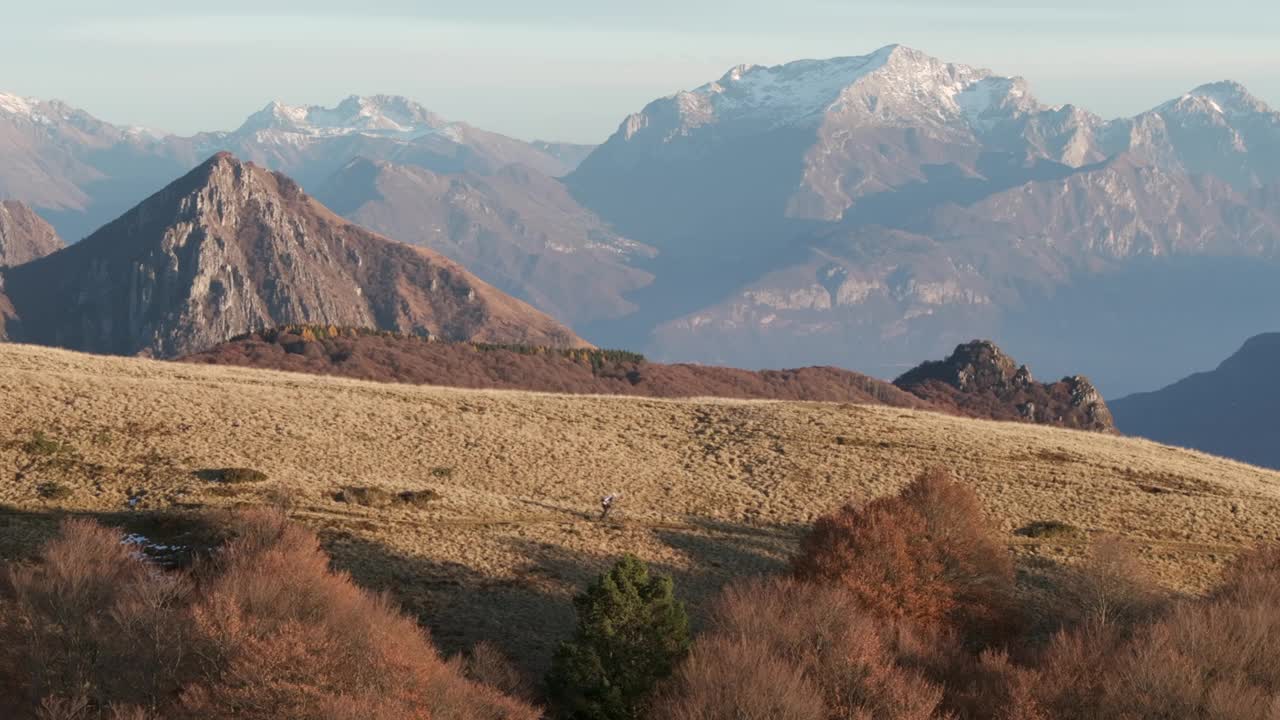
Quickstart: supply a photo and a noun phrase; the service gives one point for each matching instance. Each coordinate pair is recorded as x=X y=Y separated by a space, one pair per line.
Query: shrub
x=791 y=650
x=367 y=496
x=89 y=625
x=264 y=630
x=631 y=633
x=1217 y=657
x=442 y=471
x=487 y=665
x=233 y=476
x=927 y=556
x=53 y=491
x=1052 y=530
x=43 y=451
x=737 y=678
x=43 y=446
x=376 y=497
x=1110 y=589
x=417 y=498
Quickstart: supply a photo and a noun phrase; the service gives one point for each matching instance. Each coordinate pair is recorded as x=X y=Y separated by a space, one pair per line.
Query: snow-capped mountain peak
x=378 y=115
x=893 y=86
x=781 y=93
x=16 y=104
x=1223 y=98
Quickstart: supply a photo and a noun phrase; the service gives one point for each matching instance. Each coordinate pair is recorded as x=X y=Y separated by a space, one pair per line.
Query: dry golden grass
x=711 y=488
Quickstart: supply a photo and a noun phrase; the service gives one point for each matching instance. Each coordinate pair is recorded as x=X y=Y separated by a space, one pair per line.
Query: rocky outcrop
x=980 y=380
x=1232 y=410
x=24 y=235
x=231 y=248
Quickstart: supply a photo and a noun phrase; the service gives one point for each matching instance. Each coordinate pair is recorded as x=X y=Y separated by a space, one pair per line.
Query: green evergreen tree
x=631 y=633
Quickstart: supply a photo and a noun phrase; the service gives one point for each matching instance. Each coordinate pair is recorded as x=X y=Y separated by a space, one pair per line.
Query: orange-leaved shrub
x=264 y=629
x=1215 y=657
x=789 y=650
x=927 y=556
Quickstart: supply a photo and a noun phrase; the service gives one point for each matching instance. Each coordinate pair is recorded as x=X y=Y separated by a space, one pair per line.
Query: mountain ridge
x=1229 y=411
x=916 y=203
x=231 y=246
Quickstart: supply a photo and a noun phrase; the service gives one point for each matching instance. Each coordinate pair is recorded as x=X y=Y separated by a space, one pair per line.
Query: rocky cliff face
x=231 y=248
x=981 y=380
x=24 y=235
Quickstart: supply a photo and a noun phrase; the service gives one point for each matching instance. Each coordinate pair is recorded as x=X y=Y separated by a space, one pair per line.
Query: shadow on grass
x=175 y=537
x=528 y=610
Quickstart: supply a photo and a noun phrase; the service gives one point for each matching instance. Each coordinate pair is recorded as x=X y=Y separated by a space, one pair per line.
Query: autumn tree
x=927 y=555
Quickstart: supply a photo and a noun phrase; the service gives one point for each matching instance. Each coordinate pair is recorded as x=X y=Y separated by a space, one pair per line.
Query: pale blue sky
x=572 y=69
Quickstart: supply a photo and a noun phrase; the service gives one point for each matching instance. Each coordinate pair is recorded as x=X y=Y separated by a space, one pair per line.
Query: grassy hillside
x=500 y=529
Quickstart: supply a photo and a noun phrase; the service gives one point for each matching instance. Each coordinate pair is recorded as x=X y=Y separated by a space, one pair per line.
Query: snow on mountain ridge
x=1226 y=97
x=893 y=85
x=378 y=115
x=790 y=92
x=16 y=104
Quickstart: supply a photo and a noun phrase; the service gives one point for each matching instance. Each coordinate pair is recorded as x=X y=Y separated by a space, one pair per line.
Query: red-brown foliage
x=265 y=630
x=91 y=624
x=386 y=357
x=926 y=556
x=864 y=631
x=799 y=651
x=488 y=665
x=1213 y=658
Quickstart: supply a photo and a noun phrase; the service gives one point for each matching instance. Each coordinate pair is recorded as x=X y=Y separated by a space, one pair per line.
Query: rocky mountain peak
x=1226 y=97
x=980 y=379
x=379 y=115
x=16 y=104
x=1257 y=357
x=231 y=248
x=24 y=235
x=890 y=89
x=892 y=80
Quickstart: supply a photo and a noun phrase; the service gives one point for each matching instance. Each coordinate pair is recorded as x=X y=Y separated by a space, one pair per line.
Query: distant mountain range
x=81 y=172
x=869 y=211
x=1232 y=411
x=863 y=212
x=230 y=248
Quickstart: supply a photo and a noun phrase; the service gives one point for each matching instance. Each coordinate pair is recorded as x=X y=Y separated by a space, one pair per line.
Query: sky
x=573 y=69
